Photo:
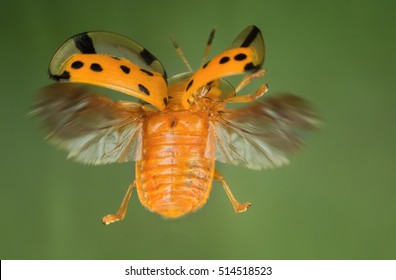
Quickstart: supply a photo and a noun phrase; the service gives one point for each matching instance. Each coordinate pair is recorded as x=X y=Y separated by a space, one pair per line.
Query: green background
x=336 y=200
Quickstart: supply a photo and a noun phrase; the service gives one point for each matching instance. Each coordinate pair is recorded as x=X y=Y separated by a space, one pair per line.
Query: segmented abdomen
x=175 y=174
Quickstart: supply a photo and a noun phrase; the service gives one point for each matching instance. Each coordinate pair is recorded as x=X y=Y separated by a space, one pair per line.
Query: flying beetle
x=181 y=125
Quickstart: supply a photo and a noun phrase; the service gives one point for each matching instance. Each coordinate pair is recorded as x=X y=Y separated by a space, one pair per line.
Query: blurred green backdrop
x=335 y=201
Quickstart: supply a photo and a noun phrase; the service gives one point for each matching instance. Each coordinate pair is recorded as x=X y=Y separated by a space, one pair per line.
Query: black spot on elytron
x=189 y=85
x=240 y=56
x=96 y=67
x=146 y=72
x=84 y=43
x=116 y=58
x=77 y=64
x=250 y=66
x=64 y=76
x=250 y=37
x=206 y=64
x=224 y=59
x=147 y=56
x=165 y=101
x=143 y=89
x=125 y=69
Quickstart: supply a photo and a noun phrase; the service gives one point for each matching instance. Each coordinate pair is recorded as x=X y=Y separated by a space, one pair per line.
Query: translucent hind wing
x=113 y=61
x=93 y=129
x=264 y=134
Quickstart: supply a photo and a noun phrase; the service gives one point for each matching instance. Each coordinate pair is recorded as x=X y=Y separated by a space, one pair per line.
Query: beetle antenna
x=208 y=45
x=180 y=53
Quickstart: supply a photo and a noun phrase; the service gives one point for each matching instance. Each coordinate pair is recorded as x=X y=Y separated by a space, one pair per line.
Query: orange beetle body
x=175 y=141
x=175 y=174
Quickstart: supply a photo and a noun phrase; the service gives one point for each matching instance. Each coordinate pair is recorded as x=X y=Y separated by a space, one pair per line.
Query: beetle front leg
x=248 y=98
x=238 y=207
x=120 y=215
x=248 y=78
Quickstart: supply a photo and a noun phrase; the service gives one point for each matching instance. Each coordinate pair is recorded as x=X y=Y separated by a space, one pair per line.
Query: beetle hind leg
x=238 y=207
x=120 y=215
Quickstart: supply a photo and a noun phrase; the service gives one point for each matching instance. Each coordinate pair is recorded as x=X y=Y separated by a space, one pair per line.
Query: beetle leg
x=111 y=218
x=248 y=78
x=238 y=207
x=249 y=97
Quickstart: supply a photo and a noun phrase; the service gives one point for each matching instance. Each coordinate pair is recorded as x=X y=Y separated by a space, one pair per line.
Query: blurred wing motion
x=93 y=129
x=264 y=134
